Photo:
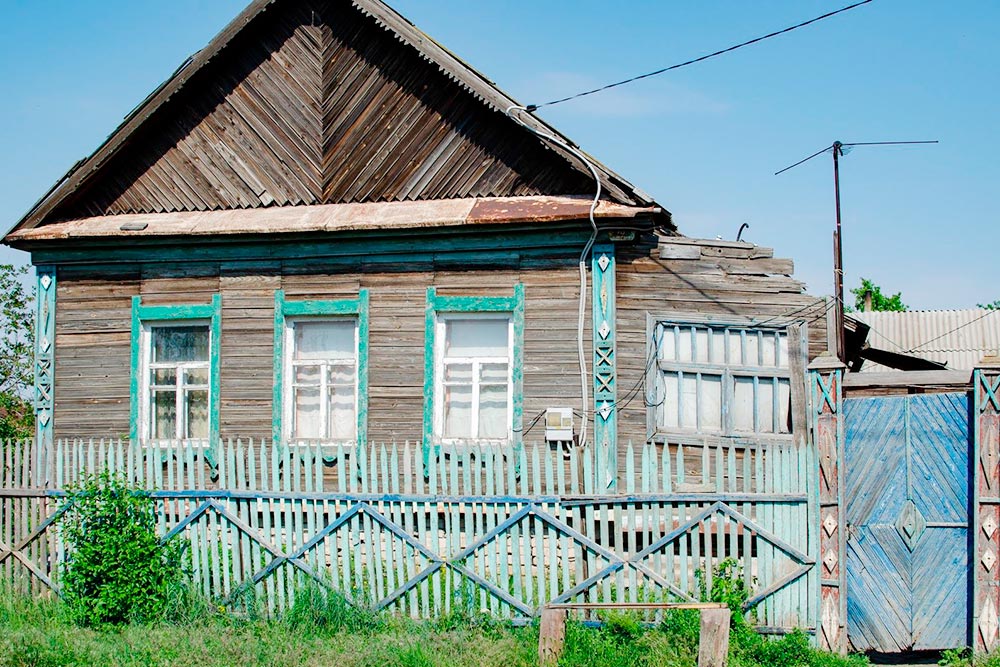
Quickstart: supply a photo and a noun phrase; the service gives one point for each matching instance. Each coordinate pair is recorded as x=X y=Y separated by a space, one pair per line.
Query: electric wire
x=948 y=333
x=584 y=391
x=840 y=144
x=534 y=107
x=637 y=388
x=792 y=313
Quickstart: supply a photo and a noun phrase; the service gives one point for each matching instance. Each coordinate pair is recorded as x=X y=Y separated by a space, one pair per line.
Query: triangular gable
x=302 y=102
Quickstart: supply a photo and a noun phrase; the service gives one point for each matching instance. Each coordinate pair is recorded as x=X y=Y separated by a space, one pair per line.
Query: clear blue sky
x=704 y=141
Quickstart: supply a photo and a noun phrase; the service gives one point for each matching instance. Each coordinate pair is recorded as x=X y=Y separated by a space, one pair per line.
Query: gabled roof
x=313 y=102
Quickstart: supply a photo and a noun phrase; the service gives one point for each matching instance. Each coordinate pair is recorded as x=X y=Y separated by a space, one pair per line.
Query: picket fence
x=494 y=529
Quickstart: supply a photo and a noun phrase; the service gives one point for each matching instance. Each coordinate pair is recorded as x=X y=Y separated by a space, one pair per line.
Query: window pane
x=324 y=339
x=784 y=406
x=343 y=424
x=701 y=344
x=768 y=349
x=458 y=411
x=341 y=375
x=742 y=406
x=670 y=408
x=165 y=376
x=751 y=349
x=164 y=415
x=197 y=414
x=179 y=344
x=668 y=344
x=196 y=375
x=493 y=411
x=710 y=402
x=684 y=338
x=310 y=374
x=494 y=373
x=307 y=417
x=476 y=337
x=718 y=346
x=458 y=373
x=689 y=401
x=765 y=405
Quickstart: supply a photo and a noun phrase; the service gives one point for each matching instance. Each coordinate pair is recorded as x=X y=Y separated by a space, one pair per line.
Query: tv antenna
x=839 y=149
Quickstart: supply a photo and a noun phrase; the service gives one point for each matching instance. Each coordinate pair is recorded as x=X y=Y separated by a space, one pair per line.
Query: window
x=320 y=370
x=175 y=372
x=322 y=379
x=473 y=369
x=474 y=377
x=178 y=372
x=721 y=379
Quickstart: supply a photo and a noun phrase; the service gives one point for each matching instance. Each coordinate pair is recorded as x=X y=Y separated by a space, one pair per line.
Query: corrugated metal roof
x=959 y=338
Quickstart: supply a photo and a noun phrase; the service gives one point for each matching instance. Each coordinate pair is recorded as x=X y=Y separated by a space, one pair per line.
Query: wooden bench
x=713 y=640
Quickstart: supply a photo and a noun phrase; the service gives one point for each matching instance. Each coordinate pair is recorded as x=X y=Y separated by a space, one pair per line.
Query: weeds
x=323 y=628
x=318 y=611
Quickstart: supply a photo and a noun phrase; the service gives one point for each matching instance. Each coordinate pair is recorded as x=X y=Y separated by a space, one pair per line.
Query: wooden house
x=326 y=231
x=326 y=227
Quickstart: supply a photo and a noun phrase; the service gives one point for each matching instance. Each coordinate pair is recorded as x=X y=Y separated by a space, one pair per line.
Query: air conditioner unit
x=559 y=425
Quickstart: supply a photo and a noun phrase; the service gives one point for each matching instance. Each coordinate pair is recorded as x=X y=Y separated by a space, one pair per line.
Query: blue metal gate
x=907 y=510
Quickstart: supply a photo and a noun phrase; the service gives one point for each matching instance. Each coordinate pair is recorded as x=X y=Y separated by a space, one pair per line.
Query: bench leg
x=713 y=643
x=551 y=636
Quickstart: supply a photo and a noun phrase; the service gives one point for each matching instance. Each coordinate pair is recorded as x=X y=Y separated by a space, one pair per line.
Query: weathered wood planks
x=317 y=103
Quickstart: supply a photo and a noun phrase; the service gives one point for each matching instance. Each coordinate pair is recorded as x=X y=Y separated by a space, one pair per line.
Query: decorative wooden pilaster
x=826 y=374
x=45 y=345
x=605 y=374
x=986 y=504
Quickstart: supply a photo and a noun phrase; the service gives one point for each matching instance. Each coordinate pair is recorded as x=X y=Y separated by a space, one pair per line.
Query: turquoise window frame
x=473 y=304
x=143 y=314
x=284 y=309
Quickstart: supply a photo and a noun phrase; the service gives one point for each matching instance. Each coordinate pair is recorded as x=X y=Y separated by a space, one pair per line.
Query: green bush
x=117 y=571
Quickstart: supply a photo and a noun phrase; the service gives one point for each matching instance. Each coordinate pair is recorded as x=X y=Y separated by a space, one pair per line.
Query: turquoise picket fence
x=501 y=530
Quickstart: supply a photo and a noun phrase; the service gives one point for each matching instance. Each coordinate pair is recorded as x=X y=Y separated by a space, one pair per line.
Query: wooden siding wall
x=93 y=324
x=94 y=321
x=315 y=103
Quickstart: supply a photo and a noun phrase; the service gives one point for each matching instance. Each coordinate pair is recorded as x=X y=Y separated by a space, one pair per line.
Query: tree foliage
x=879 y=301
x=17 y=417
x=992 y=305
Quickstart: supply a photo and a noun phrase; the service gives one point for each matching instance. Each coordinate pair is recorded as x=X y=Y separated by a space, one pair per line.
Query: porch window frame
x=286 y=311
x=794 y=373
x=145 y=317
x=439 y=309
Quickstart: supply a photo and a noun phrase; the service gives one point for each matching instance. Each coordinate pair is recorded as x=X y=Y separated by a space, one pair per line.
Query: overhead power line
x=534 y=107
x=948 y=333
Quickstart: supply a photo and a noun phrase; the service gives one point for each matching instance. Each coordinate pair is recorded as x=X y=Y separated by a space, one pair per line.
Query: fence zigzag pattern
x=490 y=529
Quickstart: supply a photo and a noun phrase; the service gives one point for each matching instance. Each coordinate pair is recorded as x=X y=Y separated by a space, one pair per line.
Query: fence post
x=985 y=504
x=826 y=374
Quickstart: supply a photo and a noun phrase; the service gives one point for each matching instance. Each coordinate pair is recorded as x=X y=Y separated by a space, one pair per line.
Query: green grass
x=325 y=630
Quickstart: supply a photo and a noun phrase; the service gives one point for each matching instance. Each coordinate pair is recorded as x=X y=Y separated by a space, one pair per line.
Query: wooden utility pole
x=838 y=254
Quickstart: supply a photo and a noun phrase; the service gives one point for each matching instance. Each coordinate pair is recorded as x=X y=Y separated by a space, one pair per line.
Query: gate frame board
x=826 y=374
x=985 y=617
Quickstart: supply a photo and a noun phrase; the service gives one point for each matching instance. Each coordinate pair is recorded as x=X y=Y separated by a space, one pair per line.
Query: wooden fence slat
x=369 y=519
